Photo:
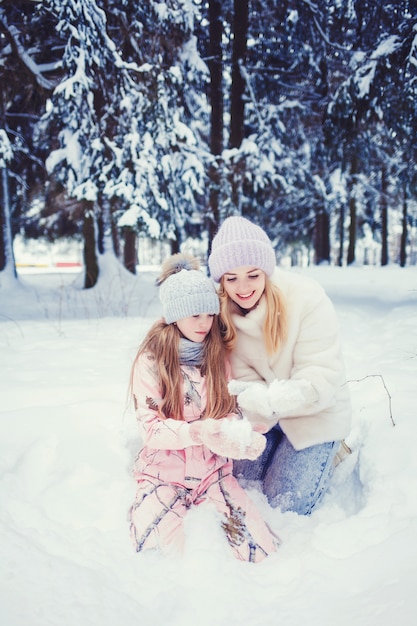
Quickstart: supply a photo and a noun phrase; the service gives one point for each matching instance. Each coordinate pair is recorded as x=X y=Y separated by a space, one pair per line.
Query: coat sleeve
x=317 y=356
x=158 y=433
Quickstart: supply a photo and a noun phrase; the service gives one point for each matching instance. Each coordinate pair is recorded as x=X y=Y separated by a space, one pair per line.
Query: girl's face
x=197 y=327
x=245 y=286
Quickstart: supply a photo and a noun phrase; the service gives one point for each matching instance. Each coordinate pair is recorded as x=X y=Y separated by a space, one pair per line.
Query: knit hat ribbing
x=240 y=243
x=187 y=292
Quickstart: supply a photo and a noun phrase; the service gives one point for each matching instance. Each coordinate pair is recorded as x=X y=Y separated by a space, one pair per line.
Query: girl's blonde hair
x=275 y=324
x=162 y=344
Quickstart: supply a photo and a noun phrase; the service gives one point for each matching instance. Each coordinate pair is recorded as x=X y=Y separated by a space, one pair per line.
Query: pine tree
x=121 y=116
x=160 y=175
x=27 y=75
x=373 y=115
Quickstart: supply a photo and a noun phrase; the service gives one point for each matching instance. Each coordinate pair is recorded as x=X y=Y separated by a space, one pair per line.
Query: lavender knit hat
x=239 y=243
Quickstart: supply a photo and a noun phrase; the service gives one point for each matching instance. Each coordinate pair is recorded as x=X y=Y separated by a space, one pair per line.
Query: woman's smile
x=245 y=296
x=245 y=286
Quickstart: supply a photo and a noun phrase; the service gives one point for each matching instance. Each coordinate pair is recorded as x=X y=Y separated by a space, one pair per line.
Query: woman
x=283 y=335
x=189 y=425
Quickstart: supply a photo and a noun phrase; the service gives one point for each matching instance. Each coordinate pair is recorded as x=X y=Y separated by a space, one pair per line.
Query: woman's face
x=197 y=327
x=245 y=285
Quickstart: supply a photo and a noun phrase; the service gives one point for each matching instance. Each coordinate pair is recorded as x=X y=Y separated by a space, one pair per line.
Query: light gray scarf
x=191 y=352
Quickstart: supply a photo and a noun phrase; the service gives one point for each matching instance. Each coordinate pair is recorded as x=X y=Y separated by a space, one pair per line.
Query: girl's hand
x=232 y=438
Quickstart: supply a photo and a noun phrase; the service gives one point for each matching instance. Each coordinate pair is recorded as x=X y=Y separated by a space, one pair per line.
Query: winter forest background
x=123 y=122
x=130 y=129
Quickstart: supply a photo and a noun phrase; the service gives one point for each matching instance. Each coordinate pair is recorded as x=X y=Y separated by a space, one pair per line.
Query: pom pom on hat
x=175 y=263
x=240 y=243
x=185 y=290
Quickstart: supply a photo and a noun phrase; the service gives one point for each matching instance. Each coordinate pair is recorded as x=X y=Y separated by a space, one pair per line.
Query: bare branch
x=386 y=389
x=246 y=78
x=314 y=9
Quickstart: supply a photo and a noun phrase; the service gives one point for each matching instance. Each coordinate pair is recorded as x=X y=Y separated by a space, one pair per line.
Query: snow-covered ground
x=67 y=443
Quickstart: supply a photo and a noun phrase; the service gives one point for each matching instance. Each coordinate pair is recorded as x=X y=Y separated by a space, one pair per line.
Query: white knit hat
x=186 y=291
x=240 y=243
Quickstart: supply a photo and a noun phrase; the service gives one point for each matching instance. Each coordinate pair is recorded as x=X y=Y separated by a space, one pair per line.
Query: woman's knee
x=297 y=480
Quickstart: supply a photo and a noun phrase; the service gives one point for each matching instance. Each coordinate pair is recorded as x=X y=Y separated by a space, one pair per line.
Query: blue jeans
x=293 y=480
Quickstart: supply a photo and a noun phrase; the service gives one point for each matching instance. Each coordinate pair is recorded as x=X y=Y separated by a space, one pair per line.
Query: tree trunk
x=2 y=239
x=341 y=234
x=237 y=104
x=240 y=33
x=130 y=257
x=322 y=237
x=217 y=112
x=384 y=219
x=115 y=239
x=176 y=243
x=352 y=230
x=216 y=77
x=90 y=251
x=352 y=212
x=403 y=247
x=7 y=257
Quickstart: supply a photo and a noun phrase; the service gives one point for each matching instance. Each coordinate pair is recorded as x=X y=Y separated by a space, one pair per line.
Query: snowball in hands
x=251 y=397
x=232 y=438
x=280 y=399
x=289 y=397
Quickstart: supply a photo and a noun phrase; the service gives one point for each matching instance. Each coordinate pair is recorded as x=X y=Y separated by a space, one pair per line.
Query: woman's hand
x=280 y=399
x=252 y=397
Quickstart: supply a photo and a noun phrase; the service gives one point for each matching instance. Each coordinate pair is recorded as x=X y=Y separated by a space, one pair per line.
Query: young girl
x=189 y=424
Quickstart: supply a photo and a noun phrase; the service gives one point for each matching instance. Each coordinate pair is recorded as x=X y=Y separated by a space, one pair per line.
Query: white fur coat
x=311 y=352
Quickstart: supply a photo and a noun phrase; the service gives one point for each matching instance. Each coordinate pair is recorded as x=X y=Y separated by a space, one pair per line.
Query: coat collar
x=252 y=323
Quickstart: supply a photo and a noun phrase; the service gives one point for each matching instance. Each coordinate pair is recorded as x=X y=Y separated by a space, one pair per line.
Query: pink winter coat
x=168 y=452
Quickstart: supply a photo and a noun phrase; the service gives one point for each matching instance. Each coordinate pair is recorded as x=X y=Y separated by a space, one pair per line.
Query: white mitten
x=254 y=449
x=254 y=398
x=235 y=387
x=232 y=438
x=289 y=397
x=248 y=444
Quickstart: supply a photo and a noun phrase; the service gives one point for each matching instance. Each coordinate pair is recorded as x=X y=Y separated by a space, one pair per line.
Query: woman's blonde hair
x=162 y=344
x=275 y=324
